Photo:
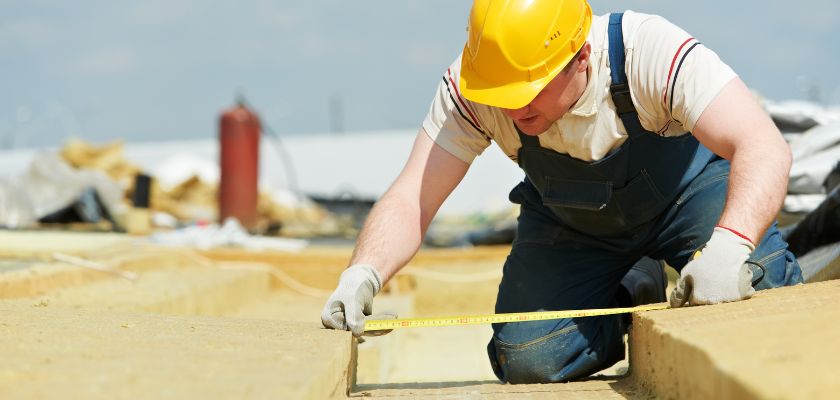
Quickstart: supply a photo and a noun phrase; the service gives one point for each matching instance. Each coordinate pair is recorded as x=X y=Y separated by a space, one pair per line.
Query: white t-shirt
x=672 y=78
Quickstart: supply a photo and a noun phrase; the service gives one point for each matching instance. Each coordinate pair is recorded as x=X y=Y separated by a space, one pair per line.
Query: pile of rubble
x=88 y=184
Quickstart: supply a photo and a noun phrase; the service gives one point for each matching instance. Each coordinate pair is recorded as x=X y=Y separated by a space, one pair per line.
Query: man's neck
x=581 y=82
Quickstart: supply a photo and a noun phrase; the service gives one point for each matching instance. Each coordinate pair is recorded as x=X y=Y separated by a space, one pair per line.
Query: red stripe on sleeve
x=460 y=99
x=671 y=70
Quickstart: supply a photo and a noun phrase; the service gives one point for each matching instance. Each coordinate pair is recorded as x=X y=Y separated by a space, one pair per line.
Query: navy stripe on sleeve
x=676 y=74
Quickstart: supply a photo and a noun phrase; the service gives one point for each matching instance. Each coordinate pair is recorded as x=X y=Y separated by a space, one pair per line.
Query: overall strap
x=619 y=89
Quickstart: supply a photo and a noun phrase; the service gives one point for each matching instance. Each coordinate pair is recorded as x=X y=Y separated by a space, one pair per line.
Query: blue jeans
x=552 y=268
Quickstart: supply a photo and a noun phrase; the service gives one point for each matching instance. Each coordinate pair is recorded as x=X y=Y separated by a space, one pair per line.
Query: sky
x=156 y=70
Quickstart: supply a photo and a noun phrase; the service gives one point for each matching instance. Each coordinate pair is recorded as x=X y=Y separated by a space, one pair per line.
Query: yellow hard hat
x=515 y=47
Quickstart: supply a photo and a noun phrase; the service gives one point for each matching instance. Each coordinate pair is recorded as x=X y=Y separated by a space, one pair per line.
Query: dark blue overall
x=583 y=225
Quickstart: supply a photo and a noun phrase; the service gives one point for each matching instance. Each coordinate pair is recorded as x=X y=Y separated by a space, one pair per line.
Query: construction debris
x=50 y=186
x=84 y=177
x=231 y=233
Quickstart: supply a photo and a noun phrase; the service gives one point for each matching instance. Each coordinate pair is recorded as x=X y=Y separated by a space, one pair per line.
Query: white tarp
x=801 y=113
x=815 y=153
x=231 y=233
x=48 y=185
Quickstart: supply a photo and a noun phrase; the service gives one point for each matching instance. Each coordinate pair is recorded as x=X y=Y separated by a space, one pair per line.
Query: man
x=595 y=111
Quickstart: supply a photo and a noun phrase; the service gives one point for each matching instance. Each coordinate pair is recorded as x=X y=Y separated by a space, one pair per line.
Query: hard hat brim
x=510 y=96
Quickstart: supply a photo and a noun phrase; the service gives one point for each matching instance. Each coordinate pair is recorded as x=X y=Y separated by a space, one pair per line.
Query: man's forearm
x=391 y=235
x=395 y=227
x=757 y=186
x=735 y=127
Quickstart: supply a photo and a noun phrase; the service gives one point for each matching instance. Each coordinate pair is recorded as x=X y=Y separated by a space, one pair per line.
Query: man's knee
x=780 y=265
x=574 y=351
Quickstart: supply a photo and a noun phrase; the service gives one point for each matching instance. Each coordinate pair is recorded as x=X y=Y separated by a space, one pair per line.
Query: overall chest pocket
x=640 y=200
x=599 y=207
x=577 y=194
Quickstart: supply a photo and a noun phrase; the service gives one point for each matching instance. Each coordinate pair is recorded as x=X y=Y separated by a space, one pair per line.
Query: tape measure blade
x=386 y=324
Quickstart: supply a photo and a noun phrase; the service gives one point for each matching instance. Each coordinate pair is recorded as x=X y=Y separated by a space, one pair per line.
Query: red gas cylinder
x=239 y=157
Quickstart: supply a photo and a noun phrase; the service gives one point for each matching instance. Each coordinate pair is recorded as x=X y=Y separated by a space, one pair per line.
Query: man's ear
x=583 y=58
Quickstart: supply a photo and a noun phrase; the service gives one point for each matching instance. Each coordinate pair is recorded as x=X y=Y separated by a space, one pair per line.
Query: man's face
x=553 y=101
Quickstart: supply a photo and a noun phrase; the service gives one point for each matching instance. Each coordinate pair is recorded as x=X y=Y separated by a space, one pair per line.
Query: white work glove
x=719 y=274
x=352 y=300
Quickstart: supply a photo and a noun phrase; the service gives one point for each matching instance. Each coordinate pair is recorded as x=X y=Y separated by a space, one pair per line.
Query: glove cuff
x=373 y=275
x=743 y=236
x=723 y=234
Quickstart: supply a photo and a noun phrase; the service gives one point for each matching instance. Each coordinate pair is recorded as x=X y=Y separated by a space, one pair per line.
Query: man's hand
x=352 y=300
x=718 y=274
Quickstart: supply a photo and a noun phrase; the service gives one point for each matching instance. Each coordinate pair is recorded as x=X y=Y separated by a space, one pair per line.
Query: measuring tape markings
x=385 y=324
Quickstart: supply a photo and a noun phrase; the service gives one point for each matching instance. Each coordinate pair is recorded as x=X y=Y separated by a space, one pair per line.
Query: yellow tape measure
x=385 y=324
